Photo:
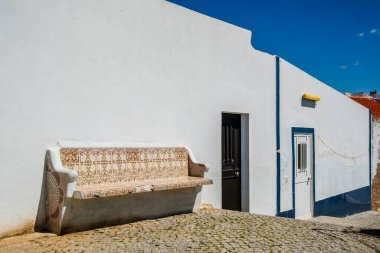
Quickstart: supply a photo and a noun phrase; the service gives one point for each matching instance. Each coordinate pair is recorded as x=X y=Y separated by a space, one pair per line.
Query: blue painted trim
x=288 y=214
x=370 y=148
x=344 y=204
x=293 y=173
x=302 y=130
x=278 y=146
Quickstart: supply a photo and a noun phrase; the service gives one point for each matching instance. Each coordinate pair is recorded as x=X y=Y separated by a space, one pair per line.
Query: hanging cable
x=344 y=156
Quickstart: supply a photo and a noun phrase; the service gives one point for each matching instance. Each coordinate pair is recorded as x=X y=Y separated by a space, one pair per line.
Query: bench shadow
x=308 y=103
x=110 y=211
x=39 y=225
x=370 y=232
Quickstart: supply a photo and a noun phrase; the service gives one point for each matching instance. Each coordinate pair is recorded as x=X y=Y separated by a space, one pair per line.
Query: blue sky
x=336 y=41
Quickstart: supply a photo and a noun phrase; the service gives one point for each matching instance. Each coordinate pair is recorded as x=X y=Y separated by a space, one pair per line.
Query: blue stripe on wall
x=293 y=173
x=344 y=204
x=340 y=205
x=278 y=192
x=288 y=214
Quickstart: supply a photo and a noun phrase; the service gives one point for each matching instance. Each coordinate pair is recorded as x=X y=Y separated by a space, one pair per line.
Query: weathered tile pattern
x=180 y=183
x=118 y=165
x=114 y=189
x=107 y=190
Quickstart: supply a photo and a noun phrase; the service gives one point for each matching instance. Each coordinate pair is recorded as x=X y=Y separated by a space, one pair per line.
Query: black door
x=231 y=160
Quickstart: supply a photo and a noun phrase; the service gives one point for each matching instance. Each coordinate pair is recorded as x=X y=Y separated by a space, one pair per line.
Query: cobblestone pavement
x=207 y=231
x=364 y=220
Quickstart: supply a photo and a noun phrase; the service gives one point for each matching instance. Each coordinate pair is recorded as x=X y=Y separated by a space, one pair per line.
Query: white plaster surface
x=375 y=145
x=120 y=71
x=151 y=71
x=341 y=135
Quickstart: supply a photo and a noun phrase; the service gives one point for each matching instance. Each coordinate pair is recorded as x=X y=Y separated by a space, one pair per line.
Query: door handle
x=237 y=174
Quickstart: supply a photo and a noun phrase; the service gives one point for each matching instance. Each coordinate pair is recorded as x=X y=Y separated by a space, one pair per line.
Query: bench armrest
x=72 y=175
x=66 y=177
x=60 y=184
x=196 y=169
x=57 y=166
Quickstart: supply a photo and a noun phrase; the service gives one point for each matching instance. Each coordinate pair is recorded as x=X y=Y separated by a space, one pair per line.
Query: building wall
x=151 y=71
x=341 y=129
x=375 y=196
x=375 y=193
x=126 y=71
x=375 y=145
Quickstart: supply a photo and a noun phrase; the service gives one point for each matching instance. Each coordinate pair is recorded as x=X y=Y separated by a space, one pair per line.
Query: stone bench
x=94 y=187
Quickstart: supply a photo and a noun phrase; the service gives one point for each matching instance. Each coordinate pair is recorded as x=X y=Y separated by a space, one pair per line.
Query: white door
x=303 y=176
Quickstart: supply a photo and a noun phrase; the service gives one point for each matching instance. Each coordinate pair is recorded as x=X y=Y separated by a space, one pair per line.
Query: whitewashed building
x=152 y=71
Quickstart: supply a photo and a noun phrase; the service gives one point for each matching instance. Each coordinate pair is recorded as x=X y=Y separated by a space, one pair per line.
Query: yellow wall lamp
x=311 y=97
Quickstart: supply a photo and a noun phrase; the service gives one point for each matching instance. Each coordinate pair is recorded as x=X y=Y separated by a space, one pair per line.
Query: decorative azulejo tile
x=110 y=165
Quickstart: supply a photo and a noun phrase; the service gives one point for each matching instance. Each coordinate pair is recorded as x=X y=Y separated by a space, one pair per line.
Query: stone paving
x=207 y=231
x=364 y=220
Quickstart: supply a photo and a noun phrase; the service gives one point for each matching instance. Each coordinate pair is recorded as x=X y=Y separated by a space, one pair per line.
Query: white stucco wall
x=375 y=145
x=341 y=127
x=127 y=71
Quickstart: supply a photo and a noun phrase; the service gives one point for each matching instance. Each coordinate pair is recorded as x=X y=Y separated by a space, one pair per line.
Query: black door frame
x=231 y=160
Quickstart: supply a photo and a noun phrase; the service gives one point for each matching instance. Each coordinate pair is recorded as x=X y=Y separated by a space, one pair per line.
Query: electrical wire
x=344 y=156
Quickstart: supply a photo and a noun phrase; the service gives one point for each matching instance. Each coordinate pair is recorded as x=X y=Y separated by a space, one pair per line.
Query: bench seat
x=122 y=188
x=88 y=187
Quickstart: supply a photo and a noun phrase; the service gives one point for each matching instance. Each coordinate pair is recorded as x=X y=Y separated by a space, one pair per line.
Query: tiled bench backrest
x=111 y=165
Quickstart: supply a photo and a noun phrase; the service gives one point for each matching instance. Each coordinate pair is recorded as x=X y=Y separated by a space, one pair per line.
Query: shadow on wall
x=39 y=225
x=345 y=204
x=308 y=103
